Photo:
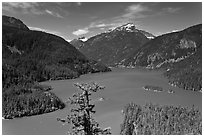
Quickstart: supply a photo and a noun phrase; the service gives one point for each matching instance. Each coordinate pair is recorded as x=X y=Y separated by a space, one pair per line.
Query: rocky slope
x=167 y=48
x=180 y=53
x=77 y=43
x=113 y=47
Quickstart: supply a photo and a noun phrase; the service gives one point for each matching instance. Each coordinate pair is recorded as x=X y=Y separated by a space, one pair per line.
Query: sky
x=72 y=20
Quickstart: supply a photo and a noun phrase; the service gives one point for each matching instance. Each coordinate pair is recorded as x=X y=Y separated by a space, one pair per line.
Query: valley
x=122 y=86
x=147 y=56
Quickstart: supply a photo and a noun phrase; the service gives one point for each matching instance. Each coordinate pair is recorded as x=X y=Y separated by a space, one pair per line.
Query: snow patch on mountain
x=83 y=39
x=129 y=27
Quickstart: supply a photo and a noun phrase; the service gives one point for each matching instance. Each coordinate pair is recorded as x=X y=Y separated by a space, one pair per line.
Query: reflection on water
x=122 y=86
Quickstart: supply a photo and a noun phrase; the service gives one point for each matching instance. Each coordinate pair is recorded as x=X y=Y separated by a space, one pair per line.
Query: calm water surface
x=122 y=86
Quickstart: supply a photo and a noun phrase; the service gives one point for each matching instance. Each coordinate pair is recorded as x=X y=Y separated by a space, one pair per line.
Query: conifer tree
x=80 y=117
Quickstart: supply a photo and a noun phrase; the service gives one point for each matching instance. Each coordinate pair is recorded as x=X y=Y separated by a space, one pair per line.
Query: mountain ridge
x=113 y=46
x=29 y=57
x=170 y=51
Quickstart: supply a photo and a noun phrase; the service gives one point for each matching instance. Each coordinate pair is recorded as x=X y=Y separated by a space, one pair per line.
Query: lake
x=122 y=87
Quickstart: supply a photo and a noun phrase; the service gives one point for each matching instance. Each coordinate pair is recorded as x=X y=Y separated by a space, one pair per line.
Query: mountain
x=77 y=43
x=113 y=47
x=167 y=48
x=147 y=34
x=34 y=56
x=43 y=49
x=13 y=22
x=180 y=53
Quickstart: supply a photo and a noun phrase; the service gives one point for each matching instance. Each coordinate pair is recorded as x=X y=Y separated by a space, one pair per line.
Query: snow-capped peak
x=130 y=27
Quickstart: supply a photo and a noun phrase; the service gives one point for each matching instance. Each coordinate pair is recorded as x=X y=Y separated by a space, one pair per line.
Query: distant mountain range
x=29 y=57
x=114 y=46
x=178 y=52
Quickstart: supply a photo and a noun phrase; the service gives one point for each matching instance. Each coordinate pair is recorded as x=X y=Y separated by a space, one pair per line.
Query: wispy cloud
x=53 y=13
x=131 y=14
x=135 y=11
x=81 y=31
x=102 y=24
x=28 y=8
x=170 y=10
x=95 y=25
x=23 y=7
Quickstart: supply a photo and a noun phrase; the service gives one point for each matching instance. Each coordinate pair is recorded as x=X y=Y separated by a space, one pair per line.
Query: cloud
x=132 y=13
x=135 y=11
x=29 y=8
x=171 y=10
x=100 y=24
x=81 y=31
x=53 y=13
x=23 y=7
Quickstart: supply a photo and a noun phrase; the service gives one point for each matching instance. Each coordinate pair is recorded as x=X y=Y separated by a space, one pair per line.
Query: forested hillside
x=180 y=53
x=33 y=56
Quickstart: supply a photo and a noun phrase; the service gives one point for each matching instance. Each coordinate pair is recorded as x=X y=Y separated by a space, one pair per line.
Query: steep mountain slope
x=179 y=52
x=77 y=43
x=166 y=48
x=112 y=47
x=33 y=56
x=13 y=22
x=45 y=50
x=147 y=34
x=187 y=73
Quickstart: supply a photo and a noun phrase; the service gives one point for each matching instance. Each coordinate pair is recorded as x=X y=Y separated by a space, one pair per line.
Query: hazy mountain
x=77 y=43
x=113 y=47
